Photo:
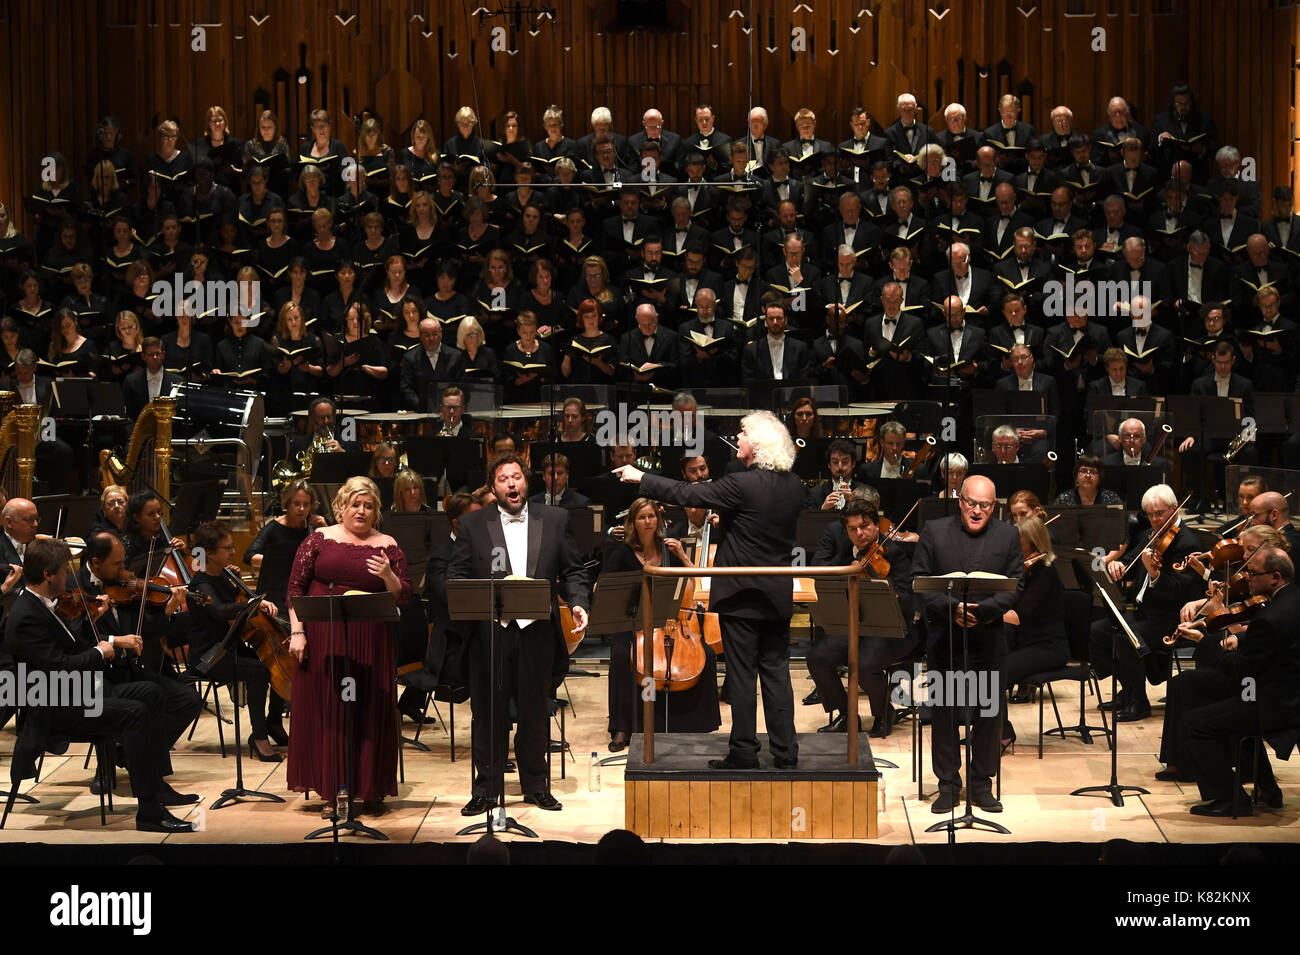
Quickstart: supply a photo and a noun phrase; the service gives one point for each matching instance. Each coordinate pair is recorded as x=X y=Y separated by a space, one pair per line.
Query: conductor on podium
x=759 y=509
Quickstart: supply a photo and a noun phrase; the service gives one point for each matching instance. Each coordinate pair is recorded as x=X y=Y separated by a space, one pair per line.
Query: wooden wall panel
x=70 y=62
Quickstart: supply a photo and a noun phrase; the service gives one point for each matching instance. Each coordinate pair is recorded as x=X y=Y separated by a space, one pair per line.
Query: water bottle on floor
x=593 y=774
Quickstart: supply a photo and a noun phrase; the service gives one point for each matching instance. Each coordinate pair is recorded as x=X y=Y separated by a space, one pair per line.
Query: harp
x=18 y=425
x=148 y=458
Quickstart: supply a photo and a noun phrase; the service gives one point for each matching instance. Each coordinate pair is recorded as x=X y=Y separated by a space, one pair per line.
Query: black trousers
x=982 y=668
x=256 y=678
x=131 y=712
x=1213 y=733
x=875 y=655
x=1129 y=667
x=759 y=650
x=1186 y=693
x=1034 y=658
x=178 y=706
x=522 y=673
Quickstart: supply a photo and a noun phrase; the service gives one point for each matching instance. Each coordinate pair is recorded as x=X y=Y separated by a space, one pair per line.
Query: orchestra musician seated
x=1036 y=640
x=555 y=473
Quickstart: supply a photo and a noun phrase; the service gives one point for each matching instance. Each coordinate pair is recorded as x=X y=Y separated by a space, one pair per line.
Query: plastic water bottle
x=593 y=774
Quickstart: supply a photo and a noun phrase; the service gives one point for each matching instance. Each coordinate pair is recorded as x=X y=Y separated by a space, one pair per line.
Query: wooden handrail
x=851 y=571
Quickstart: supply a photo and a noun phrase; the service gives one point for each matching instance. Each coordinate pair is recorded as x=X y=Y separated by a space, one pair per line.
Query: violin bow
x=1164 y=526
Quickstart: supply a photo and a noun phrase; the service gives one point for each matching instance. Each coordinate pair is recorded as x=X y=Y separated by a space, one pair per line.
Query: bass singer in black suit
x=759 y=509
x=516 y=537
x=971 y=541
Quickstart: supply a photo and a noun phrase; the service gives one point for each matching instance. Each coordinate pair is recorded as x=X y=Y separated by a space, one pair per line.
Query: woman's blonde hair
x=113 y=489
x=467 y=325
x=406 y=478
x=353 y=488
x=1034 y=530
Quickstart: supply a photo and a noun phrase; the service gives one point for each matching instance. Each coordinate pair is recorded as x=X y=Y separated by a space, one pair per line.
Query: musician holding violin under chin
x=875 y=654
x=694 y=710
x=1036 y=640
x=1148 y=565
x=103 y=565
x=209 y=625
x=1269 y=658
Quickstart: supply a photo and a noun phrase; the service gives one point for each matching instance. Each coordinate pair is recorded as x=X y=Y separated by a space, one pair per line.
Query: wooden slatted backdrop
x=69 y=61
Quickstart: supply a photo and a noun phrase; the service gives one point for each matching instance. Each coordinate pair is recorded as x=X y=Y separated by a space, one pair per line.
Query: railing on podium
x=852 y=571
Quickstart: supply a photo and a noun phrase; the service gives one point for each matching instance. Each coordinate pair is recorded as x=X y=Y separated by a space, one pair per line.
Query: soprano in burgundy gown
x=316 y=754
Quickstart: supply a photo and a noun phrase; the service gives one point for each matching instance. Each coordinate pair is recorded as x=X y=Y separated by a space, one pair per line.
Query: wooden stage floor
x=1035 y=792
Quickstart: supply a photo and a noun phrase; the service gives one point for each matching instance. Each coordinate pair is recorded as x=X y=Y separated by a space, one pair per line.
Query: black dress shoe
x=1024 y=694
x=839 y=725
x=946 y=801
x=543 y=800
x=780 y=763
x=1118 y=703
x=477 y=806
x=1173 y=775
x=1220 y=808
x=1133 y=711
x=811 y=698
x=986 y=801
x=618 y=743
x=169 y=797
x=165 y=822
x=1272 y=798
x=510 y=766
x=728 y=764
x=881 y=727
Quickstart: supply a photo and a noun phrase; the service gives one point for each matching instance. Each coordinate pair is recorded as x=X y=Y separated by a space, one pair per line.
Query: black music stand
x=230 y=645
x=494 y=600
x=879 y=615
x=1112 y=601
x=980 y=585
x=327 y=608
x=335 y=467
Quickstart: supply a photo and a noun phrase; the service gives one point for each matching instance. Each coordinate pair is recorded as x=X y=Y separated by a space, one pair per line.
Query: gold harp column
x=28 y=419
x=163 y=409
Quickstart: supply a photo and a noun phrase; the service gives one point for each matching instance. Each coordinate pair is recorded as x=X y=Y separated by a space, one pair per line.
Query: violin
x=885 y=532
x=1224 y=552
x=155 y=591
x=1162 y=538
x=1033 y=559
x=72 y=604
x=1234 y=614
x=269 y=637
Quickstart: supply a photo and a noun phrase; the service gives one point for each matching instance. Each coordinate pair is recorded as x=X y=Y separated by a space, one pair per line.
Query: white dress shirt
x=515 y=531
x=776 y=348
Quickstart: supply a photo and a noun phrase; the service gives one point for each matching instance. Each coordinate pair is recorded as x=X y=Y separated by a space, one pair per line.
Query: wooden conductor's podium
x=670 y=791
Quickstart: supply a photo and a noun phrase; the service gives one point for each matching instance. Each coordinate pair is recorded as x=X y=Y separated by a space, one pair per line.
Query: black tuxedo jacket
x=667 y=351
x=756 y=361
x=1250 y=201
x=1133 y=388
x=897 y=137
x=992 y=247
x=570 y=498
x=1006 y=276
x=1043 y=385
x=670 y=149
x=759 y=511
x=916 y=294
x=973 y=180
x=865 y=237
x=893 y=379
x=715 y=153
x=1001 y=334
x=1268 y=228
x=859 y=293
x=769 y=197
x=851 y=355
x=982 y=293
x=1238 y=387
x=1215 y=284
x=836 y=550
x=1243 y=227
x=136 y=390
x=1269 y=651
x=939 y=344
x=1115 y=180
x=1153 y=271
x=417 y=373
x=769 y=143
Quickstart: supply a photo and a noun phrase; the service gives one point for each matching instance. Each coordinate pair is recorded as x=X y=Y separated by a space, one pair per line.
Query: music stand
x=945 y=584
x=230 y=645
x=327 y=608
x=494 y=600
x=616 y=601
x=1113 y=602
x=879 y=615
x=335 y=467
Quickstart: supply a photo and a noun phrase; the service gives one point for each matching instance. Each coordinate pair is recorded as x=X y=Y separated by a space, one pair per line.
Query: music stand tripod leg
x=229 y=797
x=1113 y=788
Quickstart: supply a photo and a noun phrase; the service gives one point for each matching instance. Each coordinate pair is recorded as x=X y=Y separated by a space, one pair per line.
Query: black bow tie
x=1004 y=218
x=1280 y=219
x=1193 y=265
x=1227 y=215
x=986 y=178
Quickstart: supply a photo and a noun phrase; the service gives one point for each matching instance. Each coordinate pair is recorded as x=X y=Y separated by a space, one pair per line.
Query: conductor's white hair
x=771 y=441
x=1161 y=494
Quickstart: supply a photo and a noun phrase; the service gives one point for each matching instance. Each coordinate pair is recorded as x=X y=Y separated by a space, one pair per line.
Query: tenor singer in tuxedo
x=516 y=537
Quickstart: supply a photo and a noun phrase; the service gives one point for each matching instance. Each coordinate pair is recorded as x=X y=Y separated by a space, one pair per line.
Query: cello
x=678 y=656
x=269 y=637
x=695 y=617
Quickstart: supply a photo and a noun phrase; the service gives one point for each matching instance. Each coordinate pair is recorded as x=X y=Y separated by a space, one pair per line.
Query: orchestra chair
x=558 y=708
x=1077 y=609
x=33 y=725
x=181 y=657
x=1256 y=743
x=418 y=676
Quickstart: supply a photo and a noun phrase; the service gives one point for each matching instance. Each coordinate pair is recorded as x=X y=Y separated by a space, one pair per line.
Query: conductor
x=759 y=508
